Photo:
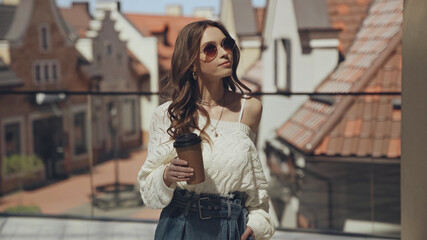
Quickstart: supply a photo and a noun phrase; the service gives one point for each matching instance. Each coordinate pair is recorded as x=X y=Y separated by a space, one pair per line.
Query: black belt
x=209 y=205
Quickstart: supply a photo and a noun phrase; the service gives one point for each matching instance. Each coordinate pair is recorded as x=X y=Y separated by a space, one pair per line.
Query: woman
x=204 y=100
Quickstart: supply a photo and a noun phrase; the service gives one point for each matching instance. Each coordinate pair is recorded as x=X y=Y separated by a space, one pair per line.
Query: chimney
x=10 y=2
x=108 y=5
x=84 y=5
x=205 y=12
x=174 y=10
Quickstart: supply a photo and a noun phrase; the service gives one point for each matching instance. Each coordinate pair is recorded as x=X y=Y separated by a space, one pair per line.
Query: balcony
x=87 y=189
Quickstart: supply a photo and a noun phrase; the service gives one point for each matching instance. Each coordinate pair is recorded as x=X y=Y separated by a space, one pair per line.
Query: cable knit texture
x=231 y=164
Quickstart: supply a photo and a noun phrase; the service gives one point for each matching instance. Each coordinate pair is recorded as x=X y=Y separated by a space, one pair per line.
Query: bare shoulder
x=253 y=106
x=252 y=112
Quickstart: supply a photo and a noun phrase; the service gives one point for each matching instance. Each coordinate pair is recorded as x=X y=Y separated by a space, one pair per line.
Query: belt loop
x=229 y=208
x=187 y=208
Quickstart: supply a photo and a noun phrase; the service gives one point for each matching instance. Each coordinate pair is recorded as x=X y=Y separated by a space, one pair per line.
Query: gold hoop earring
x=194 y=76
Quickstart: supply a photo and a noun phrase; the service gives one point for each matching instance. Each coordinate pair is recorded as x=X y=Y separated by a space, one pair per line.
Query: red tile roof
x=370 y=127
x=348 y=16
x=136 y=66
x=253 y=77
x=78 y=17
x=150 y=25
x=357 y=126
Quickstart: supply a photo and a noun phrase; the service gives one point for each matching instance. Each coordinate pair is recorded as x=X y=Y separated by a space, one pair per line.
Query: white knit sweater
x=231 y=164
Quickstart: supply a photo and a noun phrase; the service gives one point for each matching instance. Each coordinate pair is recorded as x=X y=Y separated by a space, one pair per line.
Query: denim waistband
x=209 y=205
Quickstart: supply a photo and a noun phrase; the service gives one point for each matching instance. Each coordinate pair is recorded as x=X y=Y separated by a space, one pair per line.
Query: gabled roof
x=371 y=126
x=136 y=66
x=348 y=16
x=253 y=77
x=78 y=17
x=152 y=25
x=244 y=18
x=7 y=12
x=373 y=63
x=8 y=78
x=23 y=16
x=311 y=14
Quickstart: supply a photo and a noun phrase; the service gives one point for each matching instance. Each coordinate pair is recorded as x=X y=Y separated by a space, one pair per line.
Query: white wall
x=145 y=49
x=414 y=118
x=307 y=70
x=84 y=46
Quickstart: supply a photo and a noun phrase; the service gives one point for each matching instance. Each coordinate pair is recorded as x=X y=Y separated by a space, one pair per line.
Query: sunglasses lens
x=210 y=51
x=228 y=45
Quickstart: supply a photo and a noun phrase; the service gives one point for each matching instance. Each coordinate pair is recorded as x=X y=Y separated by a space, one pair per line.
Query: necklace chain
x=209 y=104
x=217 y=121
x=205 y=103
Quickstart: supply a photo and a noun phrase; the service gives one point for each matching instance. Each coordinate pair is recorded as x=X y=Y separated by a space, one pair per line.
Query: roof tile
x=7 y=13
x=78 y=17
x=152 y=25
x=370 y=126
x=347 y=15
x=394 y=148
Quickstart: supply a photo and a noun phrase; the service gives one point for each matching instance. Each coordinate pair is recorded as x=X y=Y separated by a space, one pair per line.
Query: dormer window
x=44 y=38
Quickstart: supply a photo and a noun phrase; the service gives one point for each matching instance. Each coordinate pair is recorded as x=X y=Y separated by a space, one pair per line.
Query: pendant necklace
x=217 y=121
x=211 y=106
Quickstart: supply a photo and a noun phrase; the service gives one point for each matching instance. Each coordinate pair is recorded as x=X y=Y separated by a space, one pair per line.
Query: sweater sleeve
x=154 y=191
x=258 y=203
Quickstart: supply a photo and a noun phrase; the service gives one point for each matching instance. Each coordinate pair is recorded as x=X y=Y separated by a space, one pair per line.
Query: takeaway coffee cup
x=189 y=148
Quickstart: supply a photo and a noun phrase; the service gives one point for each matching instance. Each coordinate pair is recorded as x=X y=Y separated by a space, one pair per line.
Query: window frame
x=283 y=80
x=45 y=45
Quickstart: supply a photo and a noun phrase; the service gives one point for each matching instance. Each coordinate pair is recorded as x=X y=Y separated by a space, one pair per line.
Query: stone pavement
x=71 y=196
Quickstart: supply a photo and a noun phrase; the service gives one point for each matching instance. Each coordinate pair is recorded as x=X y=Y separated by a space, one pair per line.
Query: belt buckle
x=200 y=209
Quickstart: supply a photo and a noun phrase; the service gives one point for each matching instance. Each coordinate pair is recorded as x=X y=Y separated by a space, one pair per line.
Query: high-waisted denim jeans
x=192 y=216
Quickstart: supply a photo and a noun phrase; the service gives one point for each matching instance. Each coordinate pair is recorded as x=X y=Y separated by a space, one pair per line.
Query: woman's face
x=211 y=66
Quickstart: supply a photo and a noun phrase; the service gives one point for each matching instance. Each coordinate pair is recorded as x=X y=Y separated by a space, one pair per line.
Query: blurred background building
x=332 y=160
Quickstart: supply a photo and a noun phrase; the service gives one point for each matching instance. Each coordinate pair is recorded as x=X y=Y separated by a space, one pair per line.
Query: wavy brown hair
x=183 y=89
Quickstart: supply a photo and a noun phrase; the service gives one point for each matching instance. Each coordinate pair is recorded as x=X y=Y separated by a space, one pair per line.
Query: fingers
x=180 y=165
x=177 y=161
x=248 y=231
x=180 y=175
x=178 y=170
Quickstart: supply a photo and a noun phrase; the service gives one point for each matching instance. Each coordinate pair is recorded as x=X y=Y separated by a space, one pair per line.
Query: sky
x=158 y=6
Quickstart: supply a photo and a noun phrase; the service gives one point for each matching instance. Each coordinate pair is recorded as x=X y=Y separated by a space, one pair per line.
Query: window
x=54 y=72
x=12 y=139
x=46 y=71
x=79 y=133
x=44 y=37
x=99 y=60
x=120 y=59
x=38 y=78
x=108 y=48
x=129 y=116
x=282 y=67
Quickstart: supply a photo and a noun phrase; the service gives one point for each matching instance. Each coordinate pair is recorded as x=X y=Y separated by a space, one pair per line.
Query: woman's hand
x=248 y=231
x=177 y=171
